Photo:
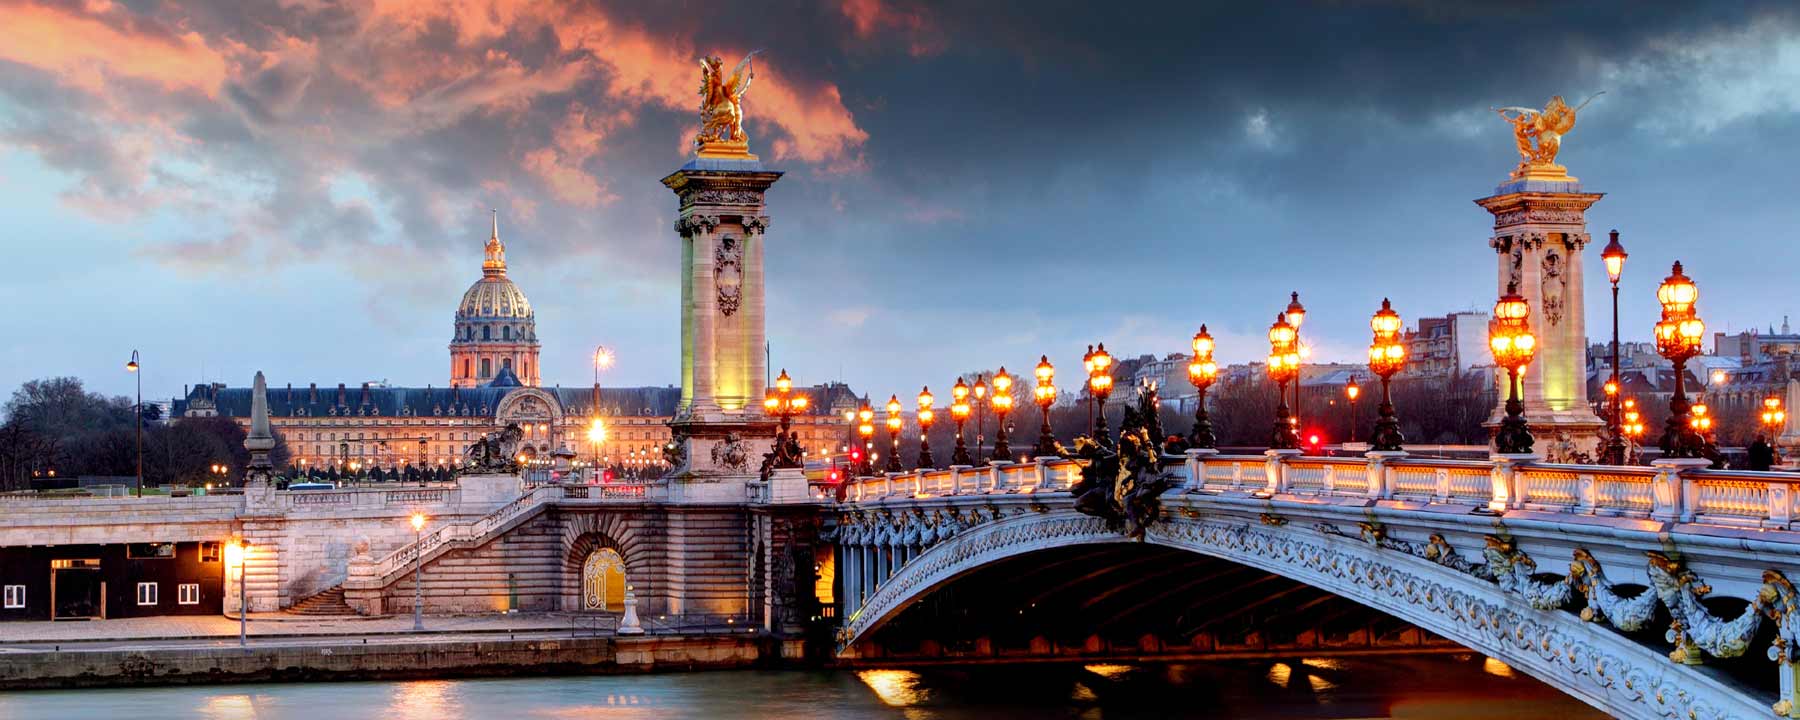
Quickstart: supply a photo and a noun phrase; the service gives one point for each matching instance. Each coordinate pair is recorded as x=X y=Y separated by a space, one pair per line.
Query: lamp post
x=926 y=416
x=1284 y=364
x=1774 y=419
x=138 y=410
x=980 y=392
x=235 y=554
x=1510 y=338
x=596 y=436
x=1678 y=337
x=1614 y=256
x=1003 y=403
x=1045 y=395
x=893 y=427
x=1386 y=356
x=1633 y=427
x=418 y=526
x=1351 y=391
x=959 y=412
x=1100 y=385
x=1202 y=371
x=1296 y=314
x=865 y=429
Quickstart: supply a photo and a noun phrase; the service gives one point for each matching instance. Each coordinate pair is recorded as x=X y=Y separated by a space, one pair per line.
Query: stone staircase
x=327 y=603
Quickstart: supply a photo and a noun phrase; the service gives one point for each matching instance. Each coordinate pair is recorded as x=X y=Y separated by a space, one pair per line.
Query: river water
x=1466 y=687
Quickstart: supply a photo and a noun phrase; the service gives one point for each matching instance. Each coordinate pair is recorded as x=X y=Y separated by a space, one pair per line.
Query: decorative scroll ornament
x=732 y=454
x=1692 y=626
x=1605 y=602
x=728 y=274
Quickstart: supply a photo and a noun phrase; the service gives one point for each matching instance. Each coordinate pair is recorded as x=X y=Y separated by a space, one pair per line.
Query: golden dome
x=494 y=296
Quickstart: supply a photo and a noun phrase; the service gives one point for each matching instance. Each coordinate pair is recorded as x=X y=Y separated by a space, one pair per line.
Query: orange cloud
x=872 y=18
x=89 y=45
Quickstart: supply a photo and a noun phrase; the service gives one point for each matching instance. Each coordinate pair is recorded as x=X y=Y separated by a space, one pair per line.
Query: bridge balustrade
x=1663 y=492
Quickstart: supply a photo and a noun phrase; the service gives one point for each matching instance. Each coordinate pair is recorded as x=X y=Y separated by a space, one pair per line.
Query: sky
x=303 y=186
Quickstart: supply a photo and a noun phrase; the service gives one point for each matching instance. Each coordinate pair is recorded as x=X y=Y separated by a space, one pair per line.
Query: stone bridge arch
x=584 y=533
x=1601 y=667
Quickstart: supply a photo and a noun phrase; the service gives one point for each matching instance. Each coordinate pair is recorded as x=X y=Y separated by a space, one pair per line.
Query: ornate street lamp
x=865 y=429
x=893 y=427
x=418 y=526
x=1295 y=315
x=1775 y=420
x=925 y=417
x=959 y=412
x=1045 y=394
x=1202 y=371
x=782 y=402
x=1509 y=336
x=980 y=392
x=1003 y=402
x=1614 y=256
x=1100 y=385
x=1387 y=355
x=1284 y=365
x=1678 y=337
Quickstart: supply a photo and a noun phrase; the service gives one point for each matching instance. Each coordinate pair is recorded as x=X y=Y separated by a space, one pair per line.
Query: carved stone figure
x=728 y=274
x=495 y=452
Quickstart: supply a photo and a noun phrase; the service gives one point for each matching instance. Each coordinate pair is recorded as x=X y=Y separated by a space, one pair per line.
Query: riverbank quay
x=373 y=657
x=287 y=648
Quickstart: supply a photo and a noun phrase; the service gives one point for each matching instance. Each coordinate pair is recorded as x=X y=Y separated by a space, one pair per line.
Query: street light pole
x=1614 y=256
x=418 y=524
x=138 y=411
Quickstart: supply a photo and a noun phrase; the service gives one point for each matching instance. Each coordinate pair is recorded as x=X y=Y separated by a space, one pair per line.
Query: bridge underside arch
x=1124 y=599
x=1601 y=667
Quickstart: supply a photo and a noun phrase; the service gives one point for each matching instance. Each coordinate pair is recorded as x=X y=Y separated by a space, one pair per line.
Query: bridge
x=1644 y=591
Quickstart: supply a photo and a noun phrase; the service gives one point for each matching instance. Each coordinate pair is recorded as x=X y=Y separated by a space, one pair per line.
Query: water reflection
x=897 y=688
x=1396 y=686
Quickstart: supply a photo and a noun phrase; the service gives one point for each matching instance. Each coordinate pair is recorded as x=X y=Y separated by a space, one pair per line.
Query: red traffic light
x=855 y=454
x=1313 y=439
x=834 y=476
x=606 y=476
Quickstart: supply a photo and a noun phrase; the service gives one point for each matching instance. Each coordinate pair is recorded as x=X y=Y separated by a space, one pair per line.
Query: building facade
x=494 y=382
x=1447 y=345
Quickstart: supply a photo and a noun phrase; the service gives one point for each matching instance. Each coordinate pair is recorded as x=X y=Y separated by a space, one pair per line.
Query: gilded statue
x=1539 y=136
x=721 y=107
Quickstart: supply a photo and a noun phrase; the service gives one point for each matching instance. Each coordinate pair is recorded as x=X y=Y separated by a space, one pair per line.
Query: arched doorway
x=603 y=581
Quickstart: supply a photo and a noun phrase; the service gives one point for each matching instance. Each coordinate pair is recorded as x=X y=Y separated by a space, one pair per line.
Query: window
x=468 y=367
x=486 y=368
x=506 y=332
x=486 y=334
x=147 y=551
x=506 y=363
x=15 y=597
x=209 y=551
x=146 y=593
x=187 y=594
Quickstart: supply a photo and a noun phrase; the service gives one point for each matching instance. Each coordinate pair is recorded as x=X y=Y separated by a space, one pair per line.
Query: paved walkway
x=285 y=625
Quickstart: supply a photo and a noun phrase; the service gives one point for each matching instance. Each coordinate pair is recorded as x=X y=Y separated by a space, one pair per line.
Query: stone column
x=1540 y=233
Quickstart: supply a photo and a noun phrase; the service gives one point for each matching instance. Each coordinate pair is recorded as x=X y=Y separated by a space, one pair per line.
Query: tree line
x=55 y=427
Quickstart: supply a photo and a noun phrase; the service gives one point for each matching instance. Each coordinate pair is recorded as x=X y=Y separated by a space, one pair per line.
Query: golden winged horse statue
x=721 y=108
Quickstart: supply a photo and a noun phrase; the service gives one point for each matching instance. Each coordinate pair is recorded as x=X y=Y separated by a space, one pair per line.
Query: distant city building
x=1752 y=347
x=1447 y=345
x=493 y=383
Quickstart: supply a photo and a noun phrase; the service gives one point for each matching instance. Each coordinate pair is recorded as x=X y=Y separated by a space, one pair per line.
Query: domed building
x=495 y=328
x=494 y=382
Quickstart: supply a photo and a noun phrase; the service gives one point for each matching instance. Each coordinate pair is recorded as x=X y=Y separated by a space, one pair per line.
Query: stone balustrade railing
x=1669 y=490
x=402 y=558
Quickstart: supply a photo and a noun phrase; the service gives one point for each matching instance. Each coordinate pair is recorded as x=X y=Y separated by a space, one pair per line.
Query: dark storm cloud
x=1002 y=173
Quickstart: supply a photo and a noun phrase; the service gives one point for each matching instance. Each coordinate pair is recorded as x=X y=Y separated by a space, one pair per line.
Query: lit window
x=146 y=593
x=187 y=594
x=15 y=597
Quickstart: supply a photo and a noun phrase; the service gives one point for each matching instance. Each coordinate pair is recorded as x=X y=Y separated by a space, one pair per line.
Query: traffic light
x=834 y=476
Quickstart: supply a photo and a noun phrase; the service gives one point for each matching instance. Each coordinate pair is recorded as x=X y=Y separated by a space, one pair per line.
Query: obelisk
x=720 y=429
x=1540 y=231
